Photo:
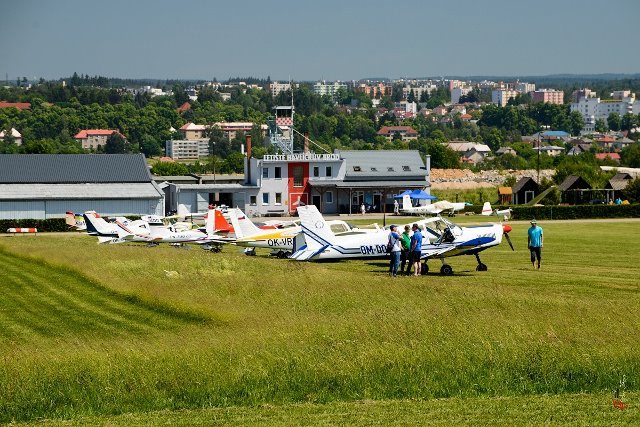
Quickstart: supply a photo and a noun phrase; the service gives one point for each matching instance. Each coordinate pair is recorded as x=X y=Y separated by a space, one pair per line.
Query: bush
x=44 y=225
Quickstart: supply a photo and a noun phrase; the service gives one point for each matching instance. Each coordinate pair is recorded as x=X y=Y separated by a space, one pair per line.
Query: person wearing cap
x=535 y=241
x=416 y=249
x=394 y=250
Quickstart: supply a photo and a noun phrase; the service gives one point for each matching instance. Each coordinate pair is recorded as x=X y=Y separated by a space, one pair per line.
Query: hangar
x=40 y=186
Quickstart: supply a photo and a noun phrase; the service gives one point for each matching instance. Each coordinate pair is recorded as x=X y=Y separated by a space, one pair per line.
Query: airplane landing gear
x=250 y=252
x=481 y=266
x=446 y=269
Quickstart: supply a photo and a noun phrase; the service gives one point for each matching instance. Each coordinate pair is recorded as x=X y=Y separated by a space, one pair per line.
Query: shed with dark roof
x=40 y=186
x=525 y=190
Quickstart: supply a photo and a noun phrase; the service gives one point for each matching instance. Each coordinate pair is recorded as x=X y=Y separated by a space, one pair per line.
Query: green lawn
x=97 y=331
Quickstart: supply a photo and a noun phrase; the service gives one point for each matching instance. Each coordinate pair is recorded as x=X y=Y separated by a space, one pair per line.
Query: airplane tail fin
x=242 y=226
x=182 y=211
x=220 y=223
x=70 y=219
x=486 y=209
x=317 y=233
x=97 y=225
x=406 y=202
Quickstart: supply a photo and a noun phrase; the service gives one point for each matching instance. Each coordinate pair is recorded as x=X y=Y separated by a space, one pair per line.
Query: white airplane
x=441 y=239
x=433 y=208
x=504 y=213
x=280 y=240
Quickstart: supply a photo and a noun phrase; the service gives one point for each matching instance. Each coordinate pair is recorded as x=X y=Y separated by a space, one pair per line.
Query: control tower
x=281 y=129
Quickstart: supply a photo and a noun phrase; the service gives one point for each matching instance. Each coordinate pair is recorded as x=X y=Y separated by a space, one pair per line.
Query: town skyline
x=334 y=42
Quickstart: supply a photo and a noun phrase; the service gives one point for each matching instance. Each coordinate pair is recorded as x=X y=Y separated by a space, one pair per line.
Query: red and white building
x=94 y=138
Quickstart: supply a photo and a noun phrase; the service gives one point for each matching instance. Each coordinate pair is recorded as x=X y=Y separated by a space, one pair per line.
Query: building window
x=328 y=197
x=357 y=168
x=328 y=171
x=265 y=172
x=252 y=200
x=278 y=198
x=406 y=168
x=265 y=198
x=298 y=176
x=316 y=171
x=277 y=173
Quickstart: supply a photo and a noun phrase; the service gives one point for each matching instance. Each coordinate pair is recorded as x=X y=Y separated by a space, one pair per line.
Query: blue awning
x=416 y=195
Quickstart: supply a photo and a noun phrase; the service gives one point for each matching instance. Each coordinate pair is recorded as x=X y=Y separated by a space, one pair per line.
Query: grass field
x=91 y=332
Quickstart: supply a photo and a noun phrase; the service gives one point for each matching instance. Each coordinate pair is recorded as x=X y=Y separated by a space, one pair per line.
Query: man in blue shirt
x=535 y=241
x=416 y=249
x=395 y=247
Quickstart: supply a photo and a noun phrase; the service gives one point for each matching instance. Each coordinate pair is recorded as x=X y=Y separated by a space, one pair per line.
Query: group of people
x=406 y=250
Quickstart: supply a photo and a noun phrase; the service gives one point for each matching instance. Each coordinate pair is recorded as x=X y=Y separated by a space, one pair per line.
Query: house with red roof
x=406 y=133
x=18 y=105
x=94 y=138
x=613 y=156
x=184 y=107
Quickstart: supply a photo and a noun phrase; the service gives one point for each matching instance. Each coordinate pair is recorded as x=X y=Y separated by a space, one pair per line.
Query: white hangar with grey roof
x=40 y=186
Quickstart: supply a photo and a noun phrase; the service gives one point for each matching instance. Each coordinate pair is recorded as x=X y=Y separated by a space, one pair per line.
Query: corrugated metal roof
x=573 y=180
x=618 y=184
x=216 y=187
x=521 y=183
x=73 y=168
x=394 y=164
x=136 y=190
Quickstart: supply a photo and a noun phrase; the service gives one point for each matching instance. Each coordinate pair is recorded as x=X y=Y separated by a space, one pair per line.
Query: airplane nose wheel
x=481 y=266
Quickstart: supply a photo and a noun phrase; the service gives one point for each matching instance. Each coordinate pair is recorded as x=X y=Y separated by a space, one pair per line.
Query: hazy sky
x=309 y=40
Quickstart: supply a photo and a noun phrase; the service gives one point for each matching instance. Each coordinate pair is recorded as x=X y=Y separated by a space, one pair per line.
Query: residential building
x=470 y=152
x=41 y=186
x=275 y=88
x=523 y=87
x=506 y=150
x=550 y=150
x=502 y=96
x=593 y=108
x=94 y=138
x=458 y=92
x=406 y=133
x=377 y=90
x=548 y=96
x=417 y=91
x=577 y=95
x=611 y=156
x=187 y=149
x=329 y=89
x=192 y=131
x=17 y=136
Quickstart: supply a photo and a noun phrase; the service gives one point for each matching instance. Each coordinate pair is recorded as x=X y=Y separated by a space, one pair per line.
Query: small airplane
x=433 y=208
x=503 y=213
x=442 y=239
x=280 y=240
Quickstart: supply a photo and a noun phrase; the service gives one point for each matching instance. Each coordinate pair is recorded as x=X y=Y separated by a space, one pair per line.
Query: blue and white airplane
x=441 y=239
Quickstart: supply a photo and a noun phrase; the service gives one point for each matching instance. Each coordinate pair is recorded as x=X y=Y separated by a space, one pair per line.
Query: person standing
x=405 y=254
x=416 y=249
x=395 y=248
x=363 y=209
x=396 y=208
x=535 y=241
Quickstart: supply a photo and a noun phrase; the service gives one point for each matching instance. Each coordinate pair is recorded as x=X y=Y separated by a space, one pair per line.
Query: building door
x=528 y=196
x=315 y=200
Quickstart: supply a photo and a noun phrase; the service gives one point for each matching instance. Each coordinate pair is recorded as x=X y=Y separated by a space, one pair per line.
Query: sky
x=314 y=40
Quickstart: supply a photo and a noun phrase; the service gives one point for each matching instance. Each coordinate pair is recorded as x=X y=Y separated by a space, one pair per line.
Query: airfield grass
x=97 y=331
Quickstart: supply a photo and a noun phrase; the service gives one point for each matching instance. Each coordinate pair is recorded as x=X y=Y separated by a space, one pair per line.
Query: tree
x=632 y=191
x=630 y=156
x=150 y=146
x=629 y=121
x=38 y=146
x=234 y=163
x=576 y=122
x=412 y=96
x=601 y=126
x=169 y=169
x=116 y=144
x=614 y=121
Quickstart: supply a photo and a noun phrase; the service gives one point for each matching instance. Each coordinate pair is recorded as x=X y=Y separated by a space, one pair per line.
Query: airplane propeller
x=506 y=228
